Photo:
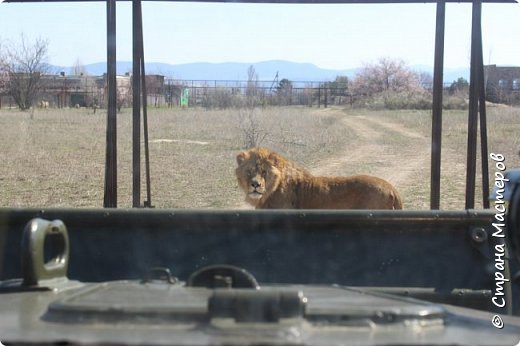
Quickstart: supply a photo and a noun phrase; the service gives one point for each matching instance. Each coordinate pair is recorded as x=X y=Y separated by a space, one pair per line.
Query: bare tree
x=253 y=133
x=425 y=79
x=4 y=78
x=252 y=86
x=24 y=63
x=78 y=69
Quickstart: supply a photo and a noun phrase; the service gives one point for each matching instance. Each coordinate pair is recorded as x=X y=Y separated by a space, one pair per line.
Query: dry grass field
x=57 y=158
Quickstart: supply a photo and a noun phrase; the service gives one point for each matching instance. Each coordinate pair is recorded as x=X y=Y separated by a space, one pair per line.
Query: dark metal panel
x=435 y=189
x=361 y=248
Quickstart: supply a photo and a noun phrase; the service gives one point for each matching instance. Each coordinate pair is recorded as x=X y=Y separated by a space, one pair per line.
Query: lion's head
x=258 y=174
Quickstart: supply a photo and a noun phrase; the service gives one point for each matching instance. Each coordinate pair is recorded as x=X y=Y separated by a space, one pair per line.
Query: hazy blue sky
x=330 y=36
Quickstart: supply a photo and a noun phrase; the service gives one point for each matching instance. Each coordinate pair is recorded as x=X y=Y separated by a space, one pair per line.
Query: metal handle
x=45 y=251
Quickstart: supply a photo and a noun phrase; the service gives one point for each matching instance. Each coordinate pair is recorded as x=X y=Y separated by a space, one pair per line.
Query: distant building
x=63 y=90
x=502 y=84
x=155 y=90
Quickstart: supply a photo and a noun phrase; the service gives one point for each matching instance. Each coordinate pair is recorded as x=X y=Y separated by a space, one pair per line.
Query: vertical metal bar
x=110 y=194
x=136 y=105
x=435 y=182
x=483 y=131
x=325 y=101
x=473 y=106
x=148 y=201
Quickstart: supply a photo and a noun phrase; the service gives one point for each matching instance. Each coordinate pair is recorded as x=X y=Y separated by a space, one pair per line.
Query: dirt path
x=386 y=149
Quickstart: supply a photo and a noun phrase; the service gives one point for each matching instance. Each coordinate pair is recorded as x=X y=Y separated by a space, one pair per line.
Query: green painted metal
x=185 y=97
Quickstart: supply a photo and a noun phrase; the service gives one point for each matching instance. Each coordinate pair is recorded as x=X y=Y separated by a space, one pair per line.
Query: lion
x=271 y=181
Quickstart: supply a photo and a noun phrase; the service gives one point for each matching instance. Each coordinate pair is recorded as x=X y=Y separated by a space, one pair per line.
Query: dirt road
x=386 y=149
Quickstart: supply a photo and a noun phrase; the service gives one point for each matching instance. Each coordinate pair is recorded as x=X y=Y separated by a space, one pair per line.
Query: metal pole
x=483 y=131
x=435 y=186
x=148 y=201
x=110 y=196
x=325 y=104
x=136 y=105
x=476 y=43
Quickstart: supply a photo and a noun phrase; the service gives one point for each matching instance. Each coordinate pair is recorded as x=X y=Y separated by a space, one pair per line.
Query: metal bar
x=473 y=105
x=291 y=1
x=136 y=105
x=110 y=196
x=325 y=101
x=148 y=201
x=435 y=186
x=483 y=132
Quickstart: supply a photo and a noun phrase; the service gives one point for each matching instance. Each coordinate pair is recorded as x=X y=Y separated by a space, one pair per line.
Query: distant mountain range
x=266 y=71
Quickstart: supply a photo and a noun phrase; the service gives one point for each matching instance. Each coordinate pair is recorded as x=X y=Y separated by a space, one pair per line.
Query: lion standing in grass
x=271 y=181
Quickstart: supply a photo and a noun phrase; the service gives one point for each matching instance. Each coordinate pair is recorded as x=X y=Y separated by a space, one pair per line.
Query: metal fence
x=88 y=91
x=237 y=93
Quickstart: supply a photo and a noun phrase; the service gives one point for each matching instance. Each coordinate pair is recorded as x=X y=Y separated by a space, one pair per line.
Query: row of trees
x=389 y=83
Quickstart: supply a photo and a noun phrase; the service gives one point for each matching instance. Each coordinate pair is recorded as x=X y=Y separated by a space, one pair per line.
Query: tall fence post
x=110 y=193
